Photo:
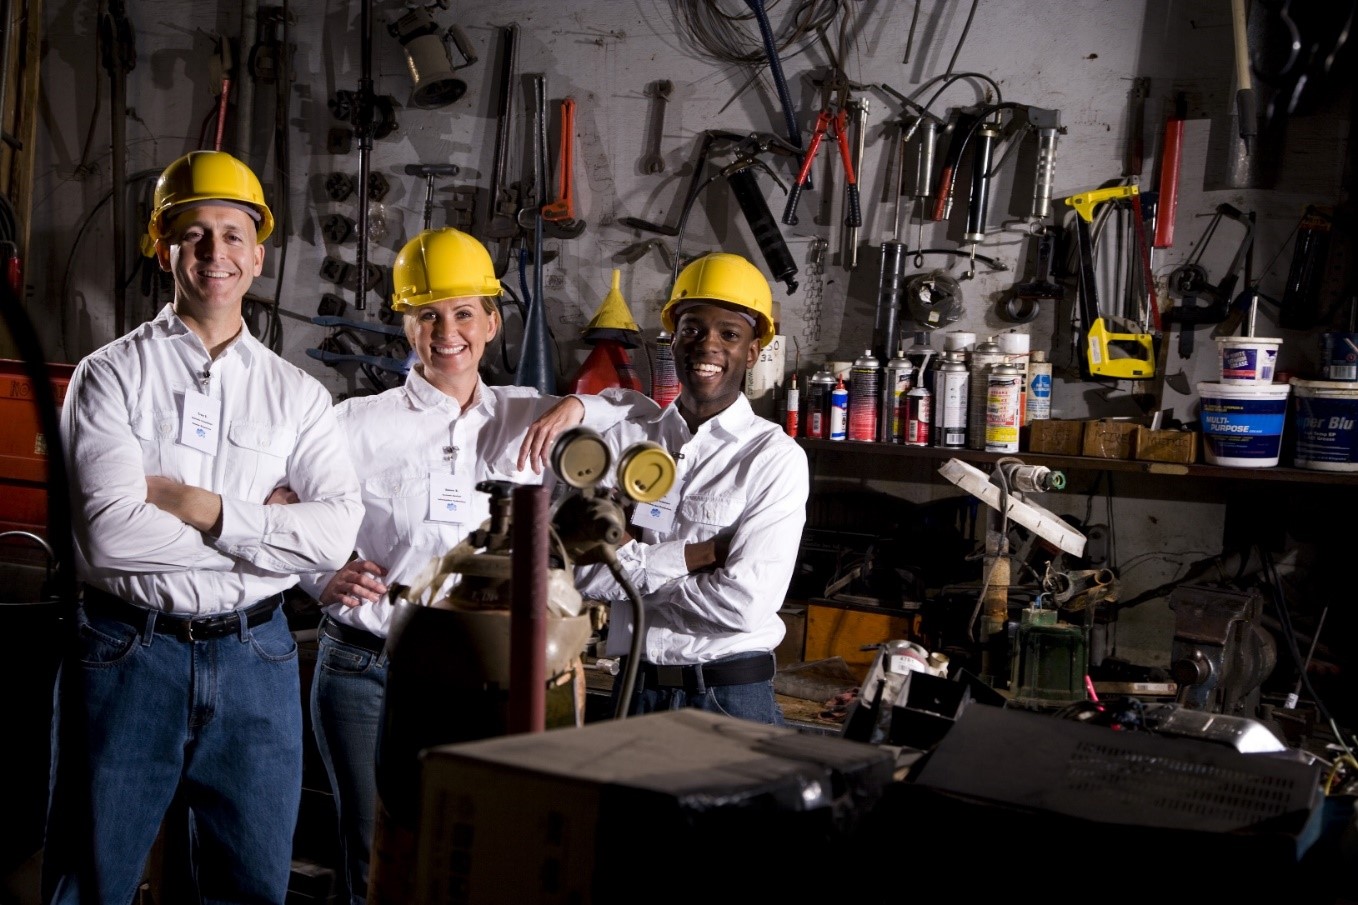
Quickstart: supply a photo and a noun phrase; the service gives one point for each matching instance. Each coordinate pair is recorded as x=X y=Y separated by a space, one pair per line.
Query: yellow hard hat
x=724 y=277
x=442 y=264
x=207 y=176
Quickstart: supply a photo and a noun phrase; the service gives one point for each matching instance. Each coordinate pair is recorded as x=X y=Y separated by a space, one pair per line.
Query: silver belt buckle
x=672 y=676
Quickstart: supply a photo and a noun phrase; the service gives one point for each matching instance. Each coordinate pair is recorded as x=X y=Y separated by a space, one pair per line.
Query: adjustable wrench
x=559 y=214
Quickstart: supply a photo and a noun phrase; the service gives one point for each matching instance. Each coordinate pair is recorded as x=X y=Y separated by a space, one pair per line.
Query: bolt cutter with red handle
x=832 y=119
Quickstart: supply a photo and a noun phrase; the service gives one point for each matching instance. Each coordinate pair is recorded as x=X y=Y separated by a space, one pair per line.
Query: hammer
x=429 y=171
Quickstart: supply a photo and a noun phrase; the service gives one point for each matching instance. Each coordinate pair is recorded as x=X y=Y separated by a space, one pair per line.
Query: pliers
x=833 y=118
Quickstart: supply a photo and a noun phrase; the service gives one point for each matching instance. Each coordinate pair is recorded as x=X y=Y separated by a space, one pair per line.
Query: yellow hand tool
x=1130 y=355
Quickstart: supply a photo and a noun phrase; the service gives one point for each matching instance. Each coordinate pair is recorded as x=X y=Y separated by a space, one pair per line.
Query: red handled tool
x=833 y=119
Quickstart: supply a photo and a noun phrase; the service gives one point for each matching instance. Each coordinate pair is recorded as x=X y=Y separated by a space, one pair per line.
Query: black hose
x=794 y=132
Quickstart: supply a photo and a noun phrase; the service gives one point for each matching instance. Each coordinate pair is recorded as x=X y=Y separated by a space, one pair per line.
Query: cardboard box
x=576 y=815
x=1056 y=437
x=1109 y=439
x=1165 y=446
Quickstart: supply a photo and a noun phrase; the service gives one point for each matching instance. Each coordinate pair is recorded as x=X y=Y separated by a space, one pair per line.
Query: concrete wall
x=1078 y=57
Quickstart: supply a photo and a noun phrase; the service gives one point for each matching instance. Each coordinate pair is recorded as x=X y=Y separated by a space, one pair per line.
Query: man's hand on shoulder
x=282 y=495
x=194 y=506
x=542 y=433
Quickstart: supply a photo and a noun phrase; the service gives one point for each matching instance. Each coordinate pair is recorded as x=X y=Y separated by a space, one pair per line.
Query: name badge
x=658 y=516
x=201 y=424
x=449 y=498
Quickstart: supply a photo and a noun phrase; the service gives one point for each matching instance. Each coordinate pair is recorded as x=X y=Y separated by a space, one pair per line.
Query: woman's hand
x=542 y=433
x=357 y=583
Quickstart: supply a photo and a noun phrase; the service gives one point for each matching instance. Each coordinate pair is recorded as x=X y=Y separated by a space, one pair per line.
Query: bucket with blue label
x=1325 y=415
x=1242 y=424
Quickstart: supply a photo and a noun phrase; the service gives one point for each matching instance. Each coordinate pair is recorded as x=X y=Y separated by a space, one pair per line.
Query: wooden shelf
x=1084 y=463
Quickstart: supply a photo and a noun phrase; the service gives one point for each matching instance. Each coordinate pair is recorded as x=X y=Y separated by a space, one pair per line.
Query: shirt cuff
x=242 y=525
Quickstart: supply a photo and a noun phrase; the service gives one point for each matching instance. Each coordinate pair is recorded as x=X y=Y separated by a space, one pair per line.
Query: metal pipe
x=365 y=144
x=528 y=611
x=245 y=84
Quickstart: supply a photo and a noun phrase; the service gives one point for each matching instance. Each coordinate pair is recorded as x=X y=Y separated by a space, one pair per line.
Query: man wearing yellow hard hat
x=206 y=473
x=713 y=559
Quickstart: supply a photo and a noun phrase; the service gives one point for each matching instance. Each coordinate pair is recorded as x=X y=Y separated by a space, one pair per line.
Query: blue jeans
x=141 y=715
x=751 y=701
x=346 y=717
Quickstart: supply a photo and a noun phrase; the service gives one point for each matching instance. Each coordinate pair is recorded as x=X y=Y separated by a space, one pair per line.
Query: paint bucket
x=1242 y=425
x=1248 y=359
x=1339 y=355
x=1325 y=414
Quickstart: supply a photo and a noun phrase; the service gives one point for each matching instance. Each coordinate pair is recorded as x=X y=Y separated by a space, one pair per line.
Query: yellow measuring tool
x=1128 y=356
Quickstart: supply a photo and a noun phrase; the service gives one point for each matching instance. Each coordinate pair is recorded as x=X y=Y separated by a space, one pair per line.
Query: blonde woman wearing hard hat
x=181 y=676
x=420 y=450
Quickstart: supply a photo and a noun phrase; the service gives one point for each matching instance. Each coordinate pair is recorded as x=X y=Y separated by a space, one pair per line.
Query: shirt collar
x=730 y=421
x=170 y=325
x=428 y=396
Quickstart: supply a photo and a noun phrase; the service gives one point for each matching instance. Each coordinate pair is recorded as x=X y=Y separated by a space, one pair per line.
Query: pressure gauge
x=646 y=472
x=580 y=457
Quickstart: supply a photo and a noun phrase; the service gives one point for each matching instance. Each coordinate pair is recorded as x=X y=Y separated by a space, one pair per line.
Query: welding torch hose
x=635 y=648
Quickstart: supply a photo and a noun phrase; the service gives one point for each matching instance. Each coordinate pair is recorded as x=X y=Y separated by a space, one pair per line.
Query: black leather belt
x=356 y=637
x=741 y=671
x=104 y=605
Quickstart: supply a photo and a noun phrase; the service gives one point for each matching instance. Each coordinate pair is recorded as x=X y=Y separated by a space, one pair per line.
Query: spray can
x=1015 y=347
x=895 y=385
x=1039 y=392
x=818 y=405
x=664 y=378
x=918 y=405
x=793 y=408
x=951 y=385
x=921 y=355
x=1004 y=388
x=864 y=385
x=839 y=410
x=984 y=355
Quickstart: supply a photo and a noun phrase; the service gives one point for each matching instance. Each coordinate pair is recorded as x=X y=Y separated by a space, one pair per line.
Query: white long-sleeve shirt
x=739 y=476
x=121 y=423
x=401 y=440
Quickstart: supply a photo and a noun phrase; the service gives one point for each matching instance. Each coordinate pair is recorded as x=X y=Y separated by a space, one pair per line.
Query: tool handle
x=1046 y=174
x=765 y=229
x=978 y=201
x=790 y=209
x=1170 y=156
x=855 y=215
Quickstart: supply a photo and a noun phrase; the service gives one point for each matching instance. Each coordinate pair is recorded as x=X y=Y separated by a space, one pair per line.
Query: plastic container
x=1325 y=415
x=1248 y=359
x=1242 y=424
x=1339 y=354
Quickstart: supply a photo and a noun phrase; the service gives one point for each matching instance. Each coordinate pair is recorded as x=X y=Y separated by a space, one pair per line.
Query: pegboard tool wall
x=609 y=57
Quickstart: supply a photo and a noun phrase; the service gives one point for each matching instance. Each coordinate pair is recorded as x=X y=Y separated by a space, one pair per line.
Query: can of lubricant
x=865 y=380
x=899 y=372
x=951 y=385
x=918 y=405
x=984 y=356
x=1004 y=415
x=818 y=405
x=839 y=410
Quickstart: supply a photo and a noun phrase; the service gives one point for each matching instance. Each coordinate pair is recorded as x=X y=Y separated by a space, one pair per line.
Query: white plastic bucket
x=1242 y=424
x=1248 y=359
x=1325 y=414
